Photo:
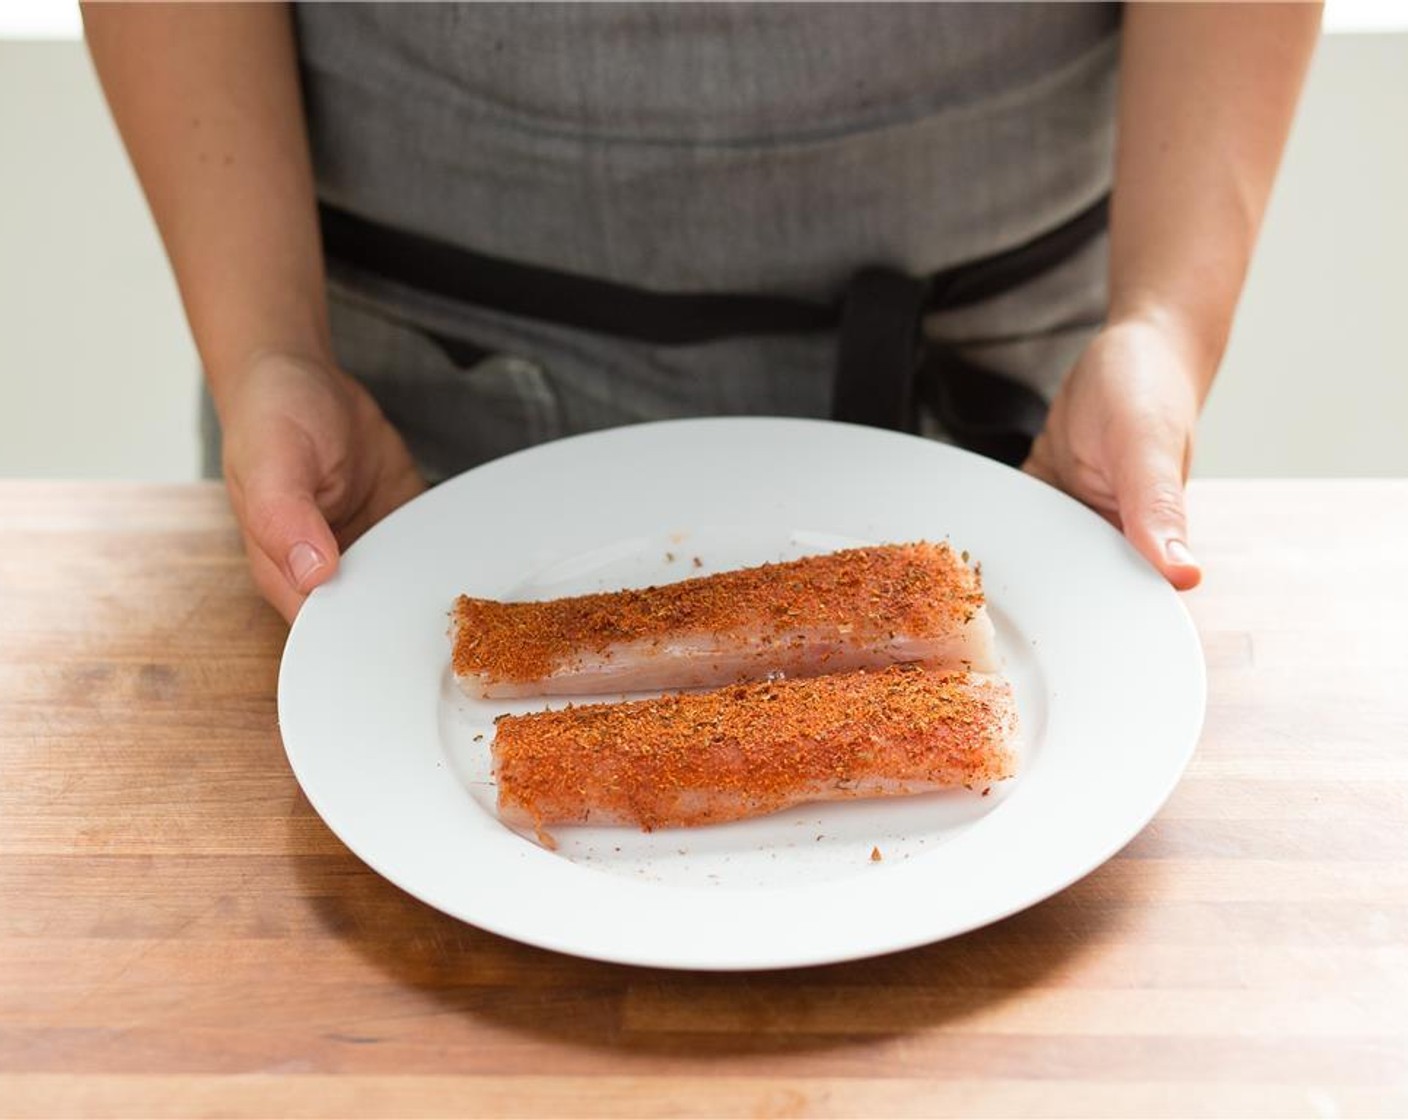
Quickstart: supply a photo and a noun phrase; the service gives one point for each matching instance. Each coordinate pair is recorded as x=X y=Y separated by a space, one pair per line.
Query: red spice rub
x=863 y=594
x=707 y=757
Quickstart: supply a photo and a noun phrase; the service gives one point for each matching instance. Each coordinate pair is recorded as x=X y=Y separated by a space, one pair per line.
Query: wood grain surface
x=181 y=936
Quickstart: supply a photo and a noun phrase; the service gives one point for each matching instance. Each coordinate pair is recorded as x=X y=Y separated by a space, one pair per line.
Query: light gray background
x=97 y=370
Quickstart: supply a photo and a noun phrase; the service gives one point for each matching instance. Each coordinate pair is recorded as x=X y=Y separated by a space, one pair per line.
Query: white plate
x=1107 y=669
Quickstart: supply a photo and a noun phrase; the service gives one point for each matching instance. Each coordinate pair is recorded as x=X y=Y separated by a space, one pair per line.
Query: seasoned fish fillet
x=749 y=749
x=859 y=608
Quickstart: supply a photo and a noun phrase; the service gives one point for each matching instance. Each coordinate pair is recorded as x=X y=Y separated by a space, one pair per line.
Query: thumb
x=291 y=547
x=1149 y=493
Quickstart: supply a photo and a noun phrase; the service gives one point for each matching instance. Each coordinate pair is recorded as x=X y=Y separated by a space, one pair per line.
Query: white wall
x=98 y=374
x=97 y=370
x=1315 y=381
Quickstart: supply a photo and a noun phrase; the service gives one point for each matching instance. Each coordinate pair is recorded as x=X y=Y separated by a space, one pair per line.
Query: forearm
x=207 y=100
x=1207 y=93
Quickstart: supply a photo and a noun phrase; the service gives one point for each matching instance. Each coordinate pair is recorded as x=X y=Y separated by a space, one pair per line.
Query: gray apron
x=696 y=148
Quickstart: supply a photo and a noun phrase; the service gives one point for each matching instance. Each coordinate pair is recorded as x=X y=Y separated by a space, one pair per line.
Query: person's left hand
x=1119 y=437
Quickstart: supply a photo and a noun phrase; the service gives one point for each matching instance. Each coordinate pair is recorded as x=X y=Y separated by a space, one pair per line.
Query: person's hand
x=1119 y=437
x=311 y=464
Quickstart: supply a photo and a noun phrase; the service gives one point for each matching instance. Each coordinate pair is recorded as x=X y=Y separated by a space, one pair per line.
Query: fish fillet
x=858 y=608
x=745 y=750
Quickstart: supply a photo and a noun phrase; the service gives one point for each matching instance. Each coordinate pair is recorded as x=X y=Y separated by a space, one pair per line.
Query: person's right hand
x=311 y=464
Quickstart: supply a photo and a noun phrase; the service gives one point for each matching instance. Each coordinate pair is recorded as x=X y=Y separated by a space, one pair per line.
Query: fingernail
x=1178 y=553
x=303 y=561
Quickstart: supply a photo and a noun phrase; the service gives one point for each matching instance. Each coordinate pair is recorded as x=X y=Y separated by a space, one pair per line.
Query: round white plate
x=1107 y=669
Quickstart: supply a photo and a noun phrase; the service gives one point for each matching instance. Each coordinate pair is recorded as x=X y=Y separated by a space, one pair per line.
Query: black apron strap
x=567 y=298
x=982 y=410
x=886 y=371
x=885 y=368
x=976 y=281
x=878 y=349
